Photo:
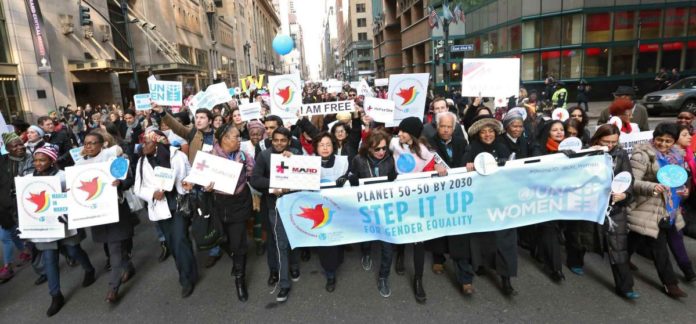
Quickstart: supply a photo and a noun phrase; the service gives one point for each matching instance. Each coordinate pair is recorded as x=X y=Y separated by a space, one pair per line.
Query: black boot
x=688 y=270
x=418 y=290
x=507 y=286
x=239 y=273
x=399 y=266
x=57 y=303
x=164 y=252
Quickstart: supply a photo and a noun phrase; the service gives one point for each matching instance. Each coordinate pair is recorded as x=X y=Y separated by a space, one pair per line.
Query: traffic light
x=85 y=19
x=454 y=66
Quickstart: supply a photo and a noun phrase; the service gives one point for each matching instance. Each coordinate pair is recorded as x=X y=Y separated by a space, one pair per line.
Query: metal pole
x=131 y=52
x=636 y=54
x=445 y=27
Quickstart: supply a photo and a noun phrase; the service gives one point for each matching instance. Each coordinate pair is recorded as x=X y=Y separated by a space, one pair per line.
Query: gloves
x=341 y=181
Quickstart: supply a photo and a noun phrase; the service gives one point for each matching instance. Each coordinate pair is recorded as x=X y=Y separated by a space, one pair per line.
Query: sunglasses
x=379 y=149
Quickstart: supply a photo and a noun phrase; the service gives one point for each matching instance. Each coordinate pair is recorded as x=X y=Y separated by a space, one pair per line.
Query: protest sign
x=250 y=111
x=141 y=101
x=418 y=210
x=325 y=108
x=164 y=178
x=165 y=93
x=492 y=77
x=381 y=82
x=408 y=92
x=208 y=168
x=628 y=141
x=381 y=110
x=334 y=86
x=217 y=94
x=354 y=85
x=364 y=89
x=249 y=81
x=297 y=172
x=37 y=208
x=194 y=103
x=286 y=95
x=76 y=155
x=92 y=199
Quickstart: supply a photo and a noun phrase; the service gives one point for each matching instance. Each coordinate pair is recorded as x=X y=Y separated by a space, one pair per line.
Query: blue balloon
x=406 y=163
x=119 y=168
x=283 y=44
x=672 y=176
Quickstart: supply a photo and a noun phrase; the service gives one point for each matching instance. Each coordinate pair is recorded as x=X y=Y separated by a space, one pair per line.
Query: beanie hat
x=413 y=126
x=511 y=116
x=255 y=124
x=50 y=151
x=38 y=130
x=9 y=137
x=484 y=121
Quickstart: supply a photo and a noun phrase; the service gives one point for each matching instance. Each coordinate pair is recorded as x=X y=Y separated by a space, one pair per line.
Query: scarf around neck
x=551 y=145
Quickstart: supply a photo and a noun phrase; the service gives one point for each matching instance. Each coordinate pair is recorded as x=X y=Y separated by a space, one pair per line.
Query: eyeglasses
x=379 y=149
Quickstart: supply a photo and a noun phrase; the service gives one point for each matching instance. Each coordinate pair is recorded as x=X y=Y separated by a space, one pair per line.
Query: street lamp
x=247 y=48
x=131 y=51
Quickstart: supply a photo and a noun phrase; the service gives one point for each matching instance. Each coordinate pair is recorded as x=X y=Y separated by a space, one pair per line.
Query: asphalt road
x=153 y=295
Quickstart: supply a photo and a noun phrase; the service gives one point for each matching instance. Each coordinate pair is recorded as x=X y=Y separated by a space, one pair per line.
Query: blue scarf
x=672 y=199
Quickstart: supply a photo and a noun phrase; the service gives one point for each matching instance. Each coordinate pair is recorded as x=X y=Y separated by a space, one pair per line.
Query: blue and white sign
x=421 y=209
x=672 y=176
x=165 y=93
x=142 y=101
x=119 y=168
x=462 y=48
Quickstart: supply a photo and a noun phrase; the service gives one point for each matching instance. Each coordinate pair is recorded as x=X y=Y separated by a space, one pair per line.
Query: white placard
x=571 y=143
x=560 y=114
x=485 y=164
x=492 y=77
x=217 y=94
x=164 y=178
x=381 y=82
x=408 y=92
x=628 y=141
x=325 y=108
x=297 y=172
x=621 y=182
x=37 y=208
x=92 y=199
x=381 y=110
x=207 y=168
x=166 y=93
x=286 y=95
x=354 y=85
x=364 y=89
x=250 y=111
x=195 y=101
x=141 y=101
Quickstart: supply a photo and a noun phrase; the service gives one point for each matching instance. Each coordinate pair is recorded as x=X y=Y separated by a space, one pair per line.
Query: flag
x=459 y=14
x=432 y=18
x=447 y=14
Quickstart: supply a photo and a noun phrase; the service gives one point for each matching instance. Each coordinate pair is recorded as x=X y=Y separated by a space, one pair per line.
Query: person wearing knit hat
x=412 y=155
x=7 y=138
x=483 y=121
x=623 y=108
x=515 y=138
x=49 y=151
x=38 y=130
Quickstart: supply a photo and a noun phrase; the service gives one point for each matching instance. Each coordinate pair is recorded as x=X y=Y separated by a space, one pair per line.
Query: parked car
x=677 y=97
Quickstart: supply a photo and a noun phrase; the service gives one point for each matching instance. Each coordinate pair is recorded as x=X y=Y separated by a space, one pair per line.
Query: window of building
x=359 y=7
x=493 y=42
x=692 y=22
x=551 y=27
x=362 y=36
x=647 y=58
x=571 y=64
x=362 y=22
x=10 y=102
x=4 y=43
x=503 y=45
x=572 y=30
x=364 y=52
x=596 y=62
x=530 y=67
x=675 y=19
x=671 y=55
x=551 y=63
x=650 y=24
x=531 y=34
x=486 y=46
x=515 y=37
x=185 y=53
x=623 y=25
x=597 y=28
x=621 y=60
x=201 y=58
x=364 y=66
x=690 y=63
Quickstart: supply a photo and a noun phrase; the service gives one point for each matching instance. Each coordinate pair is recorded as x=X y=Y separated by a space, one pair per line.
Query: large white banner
x=325 y=108
x=208 y=168
x=165 y=93
x=297 y=172
x=92 y=199
x=408 y=92
x=381 y=110
x=37 y=209
x=492 y=77
x=286 y=95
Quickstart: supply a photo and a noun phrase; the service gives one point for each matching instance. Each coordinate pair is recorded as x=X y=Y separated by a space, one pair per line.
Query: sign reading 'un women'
x=422 y=209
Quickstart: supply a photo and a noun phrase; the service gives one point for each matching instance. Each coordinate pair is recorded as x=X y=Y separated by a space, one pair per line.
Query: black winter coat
x=126 y=220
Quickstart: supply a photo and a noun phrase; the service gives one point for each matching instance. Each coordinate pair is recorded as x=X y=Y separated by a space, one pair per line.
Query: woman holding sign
x=675 y=238
x=158 y=156
x=334 y=168
x=582 y=236
x=45 y=166
x=234 y=210
x=117 y=236
x=547 y=246
x=495 y=250
x=656 y=206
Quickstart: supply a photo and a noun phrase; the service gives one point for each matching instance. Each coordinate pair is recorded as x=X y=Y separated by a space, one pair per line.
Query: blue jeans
x=175 y=229
x=9 y=237
x=215 y=251
x=50 y=258
x=160 y=233
x=385 y=259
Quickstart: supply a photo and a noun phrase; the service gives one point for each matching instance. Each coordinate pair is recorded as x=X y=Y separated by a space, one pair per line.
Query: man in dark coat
x=59 y=137
x=439 y=105
x=639 y=114
x=450 y=148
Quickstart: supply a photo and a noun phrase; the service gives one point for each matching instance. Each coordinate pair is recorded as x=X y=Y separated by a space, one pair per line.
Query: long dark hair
x=585 y=118
x=346 y=127
x=373 y=138
x=604 y=130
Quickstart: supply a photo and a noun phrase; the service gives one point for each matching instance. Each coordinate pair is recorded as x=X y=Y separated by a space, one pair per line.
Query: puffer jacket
x=645 y=212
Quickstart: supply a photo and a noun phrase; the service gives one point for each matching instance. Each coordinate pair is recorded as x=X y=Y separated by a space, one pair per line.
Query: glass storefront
x=9 y=99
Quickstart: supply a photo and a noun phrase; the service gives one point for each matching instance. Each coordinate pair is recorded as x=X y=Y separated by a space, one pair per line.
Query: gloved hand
x=341 y=181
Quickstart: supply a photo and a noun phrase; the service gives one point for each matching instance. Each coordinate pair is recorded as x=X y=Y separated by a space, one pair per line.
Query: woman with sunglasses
x=375 y=160
x=578 y=114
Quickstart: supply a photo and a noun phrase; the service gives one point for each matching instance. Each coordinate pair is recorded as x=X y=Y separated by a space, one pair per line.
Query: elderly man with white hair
x=440 y=105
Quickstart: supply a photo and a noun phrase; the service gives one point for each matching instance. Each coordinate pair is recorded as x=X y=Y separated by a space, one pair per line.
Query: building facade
x=601 y=41
x=356 y=39
x=329 y=43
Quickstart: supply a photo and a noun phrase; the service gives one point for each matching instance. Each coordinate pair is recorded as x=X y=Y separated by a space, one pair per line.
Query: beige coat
x=646 y=210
